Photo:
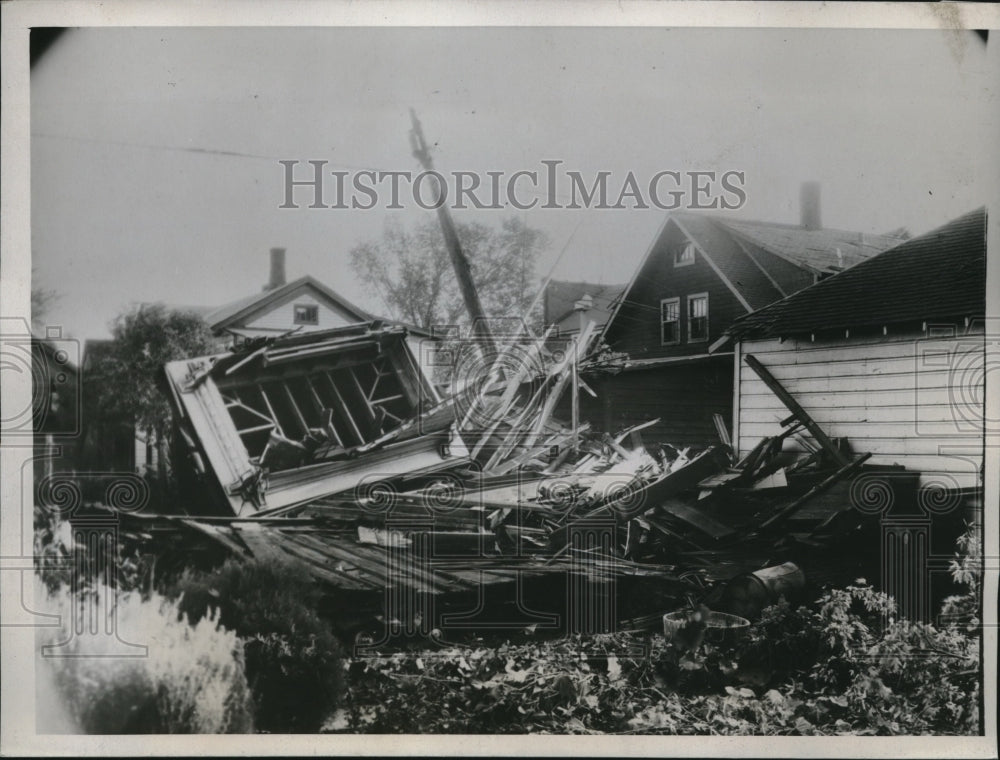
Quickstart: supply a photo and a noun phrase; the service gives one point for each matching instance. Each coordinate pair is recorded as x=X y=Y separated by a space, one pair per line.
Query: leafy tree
x=41 y=301
x=411 y=272
x=145 y=338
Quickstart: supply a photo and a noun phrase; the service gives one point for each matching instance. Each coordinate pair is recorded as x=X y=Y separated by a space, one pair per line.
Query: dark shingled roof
x=717 y=243
x=823 y=251
x=939 y=275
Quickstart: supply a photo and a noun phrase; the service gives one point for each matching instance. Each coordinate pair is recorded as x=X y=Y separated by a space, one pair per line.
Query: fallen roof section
x=276 y=422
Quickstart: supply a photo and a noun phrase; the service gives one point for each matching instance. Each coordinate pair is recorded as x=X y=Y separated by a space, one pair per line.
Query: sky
x=154 y=152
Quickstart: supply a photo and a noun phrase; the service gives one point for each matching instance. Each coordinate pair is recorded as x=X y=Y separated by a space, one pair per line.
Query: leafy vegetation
x=144 y=670
x=843 y=666
x=293 y=660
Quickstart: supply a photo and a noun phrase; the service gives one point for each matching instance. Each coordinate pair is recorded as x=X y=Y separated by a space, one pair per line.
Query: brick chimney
x=809 y=206
x=277 y=269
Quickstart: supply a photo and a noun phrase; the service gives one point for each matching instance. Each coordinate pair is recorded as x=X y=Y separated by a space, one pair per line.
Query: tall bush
x=189 y=678
x=293 y=660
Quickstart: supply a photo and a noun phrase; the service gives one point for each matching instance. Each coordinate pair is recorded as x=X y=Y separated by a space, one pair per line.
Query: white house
x=889 y=354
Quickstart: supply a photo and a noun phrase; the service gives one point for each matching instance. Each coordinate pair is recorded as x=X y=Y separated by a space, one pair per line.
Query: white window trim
x=708 y=329
x=686 y=246
x=663 y=341
x=295 y=313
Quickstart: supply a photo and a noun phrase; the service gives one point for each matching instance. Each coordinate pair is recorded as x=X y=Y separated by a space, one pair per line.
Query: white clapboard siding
x=908 y=400
x=862 y=413
x=282 y=316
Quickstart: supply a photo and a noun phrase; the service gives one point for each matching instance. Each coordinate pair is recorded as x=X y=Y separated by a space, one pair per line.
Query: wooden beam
x=270 y=409
x=361 y=391
x=295 y=408
x=345 y=412
x=321 y=406
x=793 y=406
x=720 y=429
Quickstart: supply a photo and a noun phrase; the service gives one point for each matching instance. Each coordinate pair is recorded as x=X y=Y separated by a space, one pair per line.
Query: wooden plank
x=875 y=428
x=720 y=427
x=224 y=535
x=925 y=380
x=695 y=518
x=801 y=351
x=257 y=429
x=513 y=383
x=510 y=393
x=238 y=402
x=794 y=408
x=365 y=397
x=862 y=413
x=787 y=511
x=759 y=397
x=212 y=425
x=270 y=410
x=914 y=444
x=345 y=412
x=848 y=364
x=627 y=432
x=295 y=408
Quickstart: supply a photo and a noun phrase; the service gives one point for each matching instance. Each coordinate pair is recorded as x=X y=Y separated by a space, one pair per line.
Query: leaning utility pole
x=458 y=260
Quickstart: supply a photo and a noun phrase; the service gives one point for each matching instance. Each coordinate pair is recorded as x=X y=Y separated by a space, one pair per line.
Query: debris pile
x=334 y=450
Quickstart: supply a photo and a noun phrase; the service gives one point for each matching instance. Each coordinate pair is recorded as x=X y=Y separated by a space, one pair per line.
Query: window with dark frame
x=670 y=321
x=684 y=254
x=306 y=314
x=697 y=317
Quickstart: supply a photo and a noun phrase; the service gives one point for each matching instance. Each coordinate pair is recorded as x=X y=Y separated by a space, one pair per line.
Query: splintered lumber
x=721 y=430
x=788 y=510
x=637 y=497
x=562 y=376
x=635 y=429
x=579 y=346
x=526 y=363
x=797 y=411
x=282 y=453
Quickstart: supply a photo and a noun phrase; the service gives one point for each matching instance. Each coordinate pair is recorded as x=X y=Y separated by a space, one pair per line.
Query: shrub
x=293 y=660
x=190 y=679
x=841 y=667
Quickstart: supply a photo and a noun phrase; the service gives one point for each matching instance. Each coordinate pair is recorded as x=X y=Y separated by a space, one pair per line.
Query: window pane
x=698 y=318
x=306 y=314
x=670 y=320
x=684 y=254
x=699 y=307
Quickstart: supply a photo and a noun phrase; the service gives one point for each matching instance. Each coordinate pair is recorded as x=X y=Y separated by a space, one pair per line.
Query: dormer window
x=306 y=314
x=684 y=255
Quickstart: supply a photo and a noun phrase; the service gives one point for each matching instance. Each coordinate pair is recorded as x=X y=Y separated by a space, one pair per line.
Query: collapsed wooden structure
x=335 y=451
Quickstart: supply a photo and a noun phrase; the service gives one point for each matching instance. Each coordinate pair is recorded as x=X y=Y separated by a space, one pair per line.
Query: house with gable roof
x=569 y=306
x=700 y=274
x=303 y=305
x=890 y=355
